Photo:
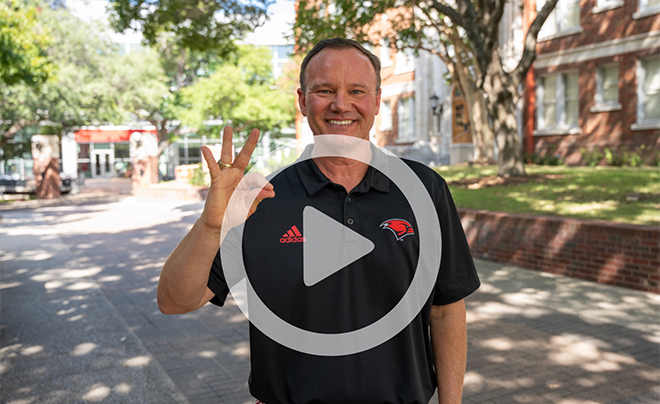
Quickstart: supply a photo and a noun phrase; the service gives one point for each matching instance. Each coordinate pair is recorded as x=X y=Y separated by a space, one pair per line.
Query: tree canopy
x=195 y=25
x=241 y=92
x=23 y=43
x=78 y=92
x=463 y=33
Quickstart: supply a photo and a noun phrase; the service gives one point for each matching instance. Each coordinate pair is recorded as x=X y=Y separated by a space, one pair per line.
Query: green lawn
x=580 y=192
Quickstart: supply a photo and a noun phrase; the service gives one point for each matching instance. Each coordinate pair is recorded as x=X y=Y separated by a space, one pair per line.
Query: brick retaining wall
x=611 y=253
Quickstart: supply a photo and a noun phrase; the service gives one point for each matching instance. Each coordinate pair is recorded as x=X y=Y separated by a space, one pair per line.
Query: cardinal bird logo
x=399 y=227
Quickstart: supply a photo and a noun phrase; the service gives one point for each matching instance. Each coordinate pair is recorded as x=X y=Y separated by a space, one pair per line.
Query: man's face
x=341 y=96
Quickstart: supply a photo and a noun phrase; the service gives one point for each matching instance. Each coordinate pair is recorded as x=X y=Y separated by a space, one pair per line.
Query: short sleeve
x=457 y=277
x=217 y=282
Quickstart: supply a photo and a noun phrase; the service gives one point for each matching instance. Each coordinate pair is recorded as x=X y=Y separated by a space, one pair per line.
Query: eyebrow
x=316 y=86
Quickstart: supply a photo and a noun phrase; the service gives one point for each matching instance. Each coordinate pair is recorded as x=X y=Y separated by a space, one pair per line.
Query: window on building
x=283 y=51
x=565 y=18
x=648 y=90
x=646 y=8
x=406 y=119
x=385 y=56
x=405 y=61
x=646 y=4
x=190 y=152
x=607 y=86
x=558 y=106
x=608 y=4
x=571 y=101
x=385 y=116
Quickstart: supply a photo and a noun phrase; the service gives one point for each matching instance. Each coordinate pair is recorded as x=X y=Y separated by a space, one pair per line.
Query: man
x=340 y=94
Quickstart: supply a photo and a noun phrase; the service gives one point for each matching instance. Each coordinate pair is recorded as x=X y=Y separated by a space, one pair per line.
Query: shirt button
x=349 y=200
x=350 y=220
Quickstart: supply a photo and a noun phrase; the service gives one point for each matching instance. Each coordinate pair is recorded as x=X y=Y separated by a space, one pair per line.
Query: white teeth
x=334 y=122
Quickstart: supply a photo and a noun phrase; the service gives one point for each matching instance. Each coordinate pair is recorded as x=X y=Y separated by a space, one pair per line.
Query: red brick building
x=595 y=83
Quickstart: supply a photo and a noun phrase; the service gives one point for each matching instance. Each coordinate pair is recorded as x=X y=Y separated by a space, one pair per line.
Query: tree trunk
x=47 y=173
x=503 y=114
x=482 y=134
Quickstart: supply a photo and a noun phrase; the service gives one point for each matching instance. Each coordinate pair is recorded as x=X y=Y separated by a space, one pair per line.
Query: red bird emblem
x=399 y=227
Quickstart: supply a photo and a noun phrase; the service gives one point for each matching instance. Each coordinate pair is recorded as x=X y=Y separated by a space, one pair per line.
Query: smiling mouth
x=338 y=122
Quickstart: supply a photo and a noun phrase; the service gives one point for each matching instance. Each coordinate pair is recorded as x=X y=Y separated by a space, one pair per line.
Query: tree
x=464 y=34
x=192 y=38
x=241 y=92
x=23 y=43
x=194 y=25
x=78 y=93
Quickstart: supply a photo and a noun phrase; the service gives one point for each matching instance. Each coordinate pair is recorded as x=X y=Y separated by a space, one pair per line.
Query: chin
x=341 y=144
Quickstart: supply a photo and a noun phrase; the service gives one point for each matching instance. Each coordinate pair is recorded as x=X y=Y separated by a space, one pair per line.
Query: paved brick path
x=533 y=337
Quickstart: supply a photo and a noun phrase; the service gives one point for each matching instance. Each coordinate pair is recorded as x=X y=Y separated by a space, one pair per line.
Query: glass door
x=103 y=163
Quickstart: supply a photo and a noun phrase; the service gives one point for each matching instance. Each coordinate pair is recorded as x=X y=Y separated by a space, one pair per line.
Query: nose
x=340 y=103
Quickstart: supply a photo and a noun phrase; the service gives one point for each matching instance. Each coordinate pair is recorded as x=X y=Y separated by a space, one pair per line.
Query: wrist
x=207 y=229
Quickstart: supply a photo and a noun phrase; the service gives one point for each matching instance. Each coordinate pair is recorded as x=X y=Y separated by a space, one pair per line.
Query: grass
x=580 y=192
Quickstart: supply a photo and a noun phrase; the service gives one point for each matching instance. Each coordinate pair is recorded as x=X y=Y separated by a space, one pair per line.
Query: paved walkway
x=79 y=321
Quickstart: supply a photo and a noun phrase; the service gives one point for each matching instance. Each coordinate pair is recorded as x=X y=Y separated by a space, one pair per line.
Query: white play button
x=329 y=246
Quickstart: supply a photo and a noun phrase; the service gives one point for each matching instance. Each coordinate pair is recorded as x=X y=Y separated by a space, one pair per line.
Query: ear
x=302 y=101
x=380 y=92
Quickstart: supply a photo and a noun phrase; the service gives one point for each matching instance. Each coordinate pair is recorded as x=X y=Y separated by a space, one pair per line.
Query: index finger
x=243 y=157
x=214 y=168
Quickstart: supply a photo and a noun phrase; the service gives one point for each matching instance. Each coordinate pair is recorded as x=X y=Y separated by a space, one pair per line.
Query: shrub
x=591 y=157
x=199 y=177
x=634 y=159
x=548 y=159
x=615 y=158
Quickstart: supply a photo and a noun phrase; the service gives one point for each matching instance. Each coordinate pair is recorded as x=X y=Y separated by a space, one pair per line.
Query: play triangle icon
x=329 y=246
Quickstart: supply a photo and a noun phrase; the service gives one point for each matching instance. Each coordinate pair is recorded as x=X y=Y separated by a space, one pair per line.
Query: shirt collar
x=314 y=180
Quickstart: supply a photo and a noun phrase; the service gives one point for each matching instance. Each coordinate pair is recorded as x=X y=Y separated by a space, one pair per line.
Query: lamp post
x=436 y=107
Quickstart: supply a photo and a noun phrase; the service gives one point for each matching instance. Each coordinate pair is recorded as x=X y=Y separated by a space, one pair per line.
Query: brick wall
x=611 y=129
x=616 y=254
x=599 y=129
x=604 y=26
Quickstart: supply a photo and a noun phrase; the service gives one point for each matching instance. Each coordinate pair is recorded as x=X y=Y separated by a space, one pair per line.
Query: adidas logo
x=292 y=236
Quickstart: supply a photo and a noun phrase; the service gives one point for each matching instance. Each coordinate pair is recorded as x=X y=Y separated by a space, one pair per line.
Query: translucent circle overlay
x=378 y=332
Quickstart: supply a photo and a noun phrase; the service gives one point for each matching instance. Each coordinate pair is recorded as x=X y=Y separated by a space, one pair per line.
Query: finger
x=255 y=180
x=227 y=153
x=243 y=157
x=258 y=198
x=214 y=169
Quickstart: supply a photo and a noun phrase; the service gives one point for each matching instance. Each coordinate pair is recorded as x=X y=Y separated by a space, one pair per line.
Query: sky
x=282 y=15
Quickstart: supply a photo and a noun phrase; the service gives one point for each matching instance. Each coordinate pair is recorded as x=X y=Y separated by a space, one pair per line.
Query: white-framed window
x=405 y=61
x=604 y=5
x=558 y=102
x=385 y=53
x=607 y=88
x=406 y=119
x=563 y=20
x=647 y=8
x=385 y=116
x=648 y=90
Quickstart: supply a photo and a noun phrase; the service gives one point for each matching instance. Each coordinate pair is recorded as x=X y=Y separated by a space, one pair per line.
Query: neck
x=353 y=163
x=343 y=171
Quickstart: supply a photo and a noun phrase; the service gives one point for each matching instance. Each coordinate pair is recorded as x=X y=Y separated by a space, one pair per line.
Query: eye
x=357 y=92
x=323 y=91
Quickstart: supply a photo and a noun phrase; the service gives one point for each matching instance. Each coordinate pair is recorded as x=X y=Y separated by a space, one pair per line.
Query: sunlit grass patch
x=599 y=193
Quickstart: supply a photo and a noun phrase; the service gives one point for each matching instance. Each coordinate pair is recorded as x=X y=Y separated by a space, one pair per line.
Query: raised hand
x=226 y=176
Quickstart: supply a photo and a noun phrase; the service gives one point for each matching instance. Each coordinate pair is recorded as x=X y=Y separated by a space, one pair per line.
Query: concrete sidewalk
x=80 y=322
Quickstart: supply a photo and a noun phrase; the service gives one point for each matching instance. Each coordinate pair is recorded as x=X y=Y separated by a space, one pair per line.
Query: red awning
x=107 y=135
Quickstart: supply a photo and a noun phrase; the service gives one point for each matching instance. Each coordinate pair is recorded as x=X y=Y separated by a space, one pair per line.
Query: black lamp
x=435 y=105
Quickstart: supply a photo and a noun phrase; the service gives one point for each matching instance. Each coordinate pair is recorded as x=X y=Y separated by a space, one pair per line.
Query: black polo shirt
x=397 y=371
